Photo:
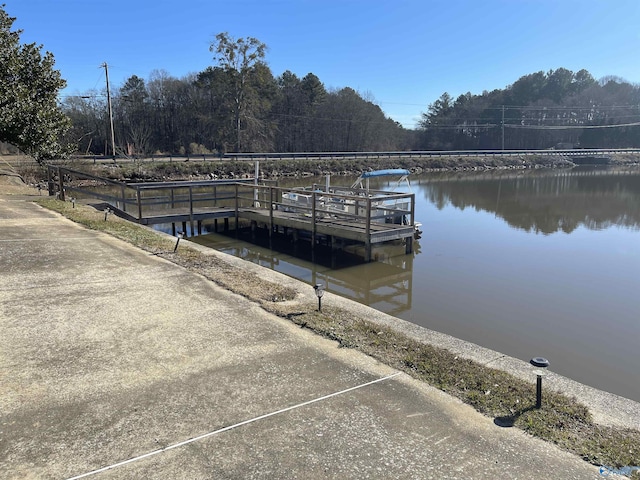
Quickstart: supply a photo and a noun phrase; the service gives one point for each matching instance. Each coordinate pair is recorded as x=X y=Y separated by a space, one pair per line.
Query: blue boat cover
x=383 y=173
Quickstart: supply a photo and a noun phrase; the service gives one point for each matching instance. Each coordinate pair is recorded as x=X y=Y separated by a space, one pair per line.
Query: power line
x=569 y=108
x=529 y=107
x=387 y=120
x=97 y=95
x=569 y=127
x=526 y=127
x=469 y=120
x=462 y=126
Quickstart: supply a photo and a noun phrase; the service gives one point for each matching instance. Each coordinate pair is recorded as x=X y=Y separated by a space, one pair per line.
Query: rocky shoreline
x=152 y=170
x=146 y=171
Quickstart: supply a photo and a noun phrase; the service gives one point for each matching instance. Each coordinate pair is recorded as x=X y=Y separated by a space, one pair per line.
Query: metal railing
x=141 y=201
x=410 y=154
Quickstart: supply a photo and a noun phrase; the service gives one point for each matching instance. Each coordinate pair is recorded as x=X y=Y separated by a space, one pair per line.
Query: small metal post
x=539 y=392
x=319 y=288
x=73 y=202
x=542 y=364
x=107 y=211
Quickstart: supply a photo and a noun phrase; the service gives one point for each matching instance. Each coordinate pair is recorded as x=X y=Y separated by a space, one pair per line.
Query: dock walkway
x=262 y=206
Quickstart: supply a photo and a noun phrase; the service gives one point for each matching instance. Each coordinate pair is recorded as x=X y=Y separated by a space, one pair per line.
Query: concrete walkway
x=108 y=353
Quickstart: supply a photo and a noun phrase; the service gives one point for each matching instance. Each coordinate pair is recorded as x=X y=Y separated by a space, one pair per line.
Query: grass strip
x=222 y=273
x=495 y=393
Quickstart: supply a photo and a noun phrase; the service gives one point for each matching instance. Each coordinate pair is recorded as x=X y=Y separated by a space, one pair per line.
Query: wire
x=534 y=107
x=569 y=127
x=97 y=95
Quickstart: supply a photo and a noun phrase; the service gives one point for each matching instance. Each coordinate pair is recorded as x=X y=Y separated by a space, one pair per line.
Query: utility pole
x=113 y=139
x=502 y=127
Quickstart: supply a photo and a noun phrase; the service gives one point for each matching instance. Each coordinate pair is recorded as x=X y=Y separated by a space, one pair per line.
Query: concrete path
x=108 y=353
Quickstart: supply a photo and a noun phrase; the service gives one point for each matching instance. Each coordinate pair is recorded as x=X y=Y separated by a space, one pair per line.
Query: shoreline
x=607 y=408
x=599 y=427
x=143 y=350
x=150 y=169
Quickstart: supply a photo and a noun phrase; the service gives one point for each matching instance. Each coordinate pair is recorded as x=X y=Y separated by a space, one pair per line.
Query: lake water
x=530 y=263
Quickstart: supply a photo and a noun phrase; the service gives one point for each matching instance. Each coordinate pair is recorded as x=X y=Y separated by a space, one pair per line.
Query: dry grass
x=222 y=273
x=495 y=393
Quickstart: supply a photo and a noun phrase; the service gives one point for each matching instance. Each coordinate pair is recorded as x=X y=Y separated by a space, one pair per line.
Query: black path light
x=180 y=235
x=319 y=288
x=107 y=212
x=541 y=364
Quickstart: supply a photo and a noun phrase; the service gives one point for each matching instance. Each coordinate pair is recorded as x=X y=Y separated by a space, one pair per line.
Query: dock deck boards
x=349 y=229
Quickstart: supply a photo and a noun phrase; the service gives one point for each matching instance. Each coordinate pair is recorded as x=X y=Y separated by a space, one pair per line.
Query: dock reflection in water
x=386 y=284
x=527 y=263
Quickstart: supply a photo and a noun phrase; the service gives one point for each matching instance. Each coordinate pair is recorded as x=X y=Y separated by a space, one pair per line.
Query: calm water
x=537 y=263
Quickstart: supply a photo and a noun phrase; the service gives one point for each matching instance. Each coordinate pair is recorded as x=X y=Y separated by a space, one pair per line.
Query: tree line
x=558 y=108
x=237 y=104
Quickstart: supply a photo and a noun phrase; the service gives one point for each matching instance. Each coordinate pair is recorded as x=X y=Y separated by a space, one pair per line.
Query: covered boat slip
x=248 y=204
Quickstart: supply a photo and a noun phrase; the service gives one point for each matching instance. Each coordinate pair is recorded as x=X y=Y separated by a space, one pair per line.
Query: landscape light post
x=180 y=235
x=319 y=288
x=541 y=363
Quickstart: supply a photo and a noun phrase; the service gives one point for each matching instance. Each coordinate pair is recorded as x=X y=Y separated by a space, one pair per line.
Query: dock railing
x=141 y=200
x=182 y=201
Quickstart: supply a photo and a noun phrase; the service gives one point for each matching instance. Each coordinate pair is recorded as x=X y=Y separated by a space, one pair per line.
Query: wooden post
x=270 y=211
x=124 y=200
x=60 y=184
x=413 y=209
x=173 y=229
x=199 y=227
x=139 y=200
x=367 y=244
x=184 y=228
x=255 y=184
x=191 y=211
x=236 y=206
x=270 y=216
x=313 y=220
x=50 y=183
x=408 y=245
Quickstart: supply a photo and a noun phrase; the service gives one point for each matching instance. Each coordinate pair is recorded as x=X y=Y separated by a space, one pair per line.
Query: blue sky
x=402 y=54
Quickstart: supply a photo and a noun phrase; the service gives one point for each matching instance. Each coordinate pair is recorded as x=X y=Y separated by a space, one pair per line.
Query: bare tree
x=238 y=58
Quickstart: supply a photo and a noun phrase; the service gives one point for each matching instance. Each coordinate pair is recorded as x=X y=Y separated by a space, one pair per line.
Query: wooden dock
x=190 y=204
